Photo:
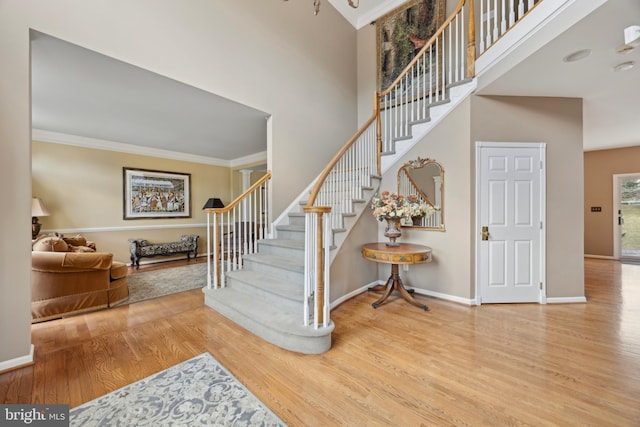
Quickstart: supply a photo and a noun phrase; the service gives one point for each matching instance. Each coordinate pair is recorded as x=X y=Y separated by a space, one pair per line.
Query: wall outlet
x=596 y=209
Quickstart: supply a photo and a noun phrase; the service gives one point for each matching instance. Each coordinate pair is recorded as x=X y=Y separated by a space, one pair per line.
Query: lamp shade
x=37 y=208
x=213 y=202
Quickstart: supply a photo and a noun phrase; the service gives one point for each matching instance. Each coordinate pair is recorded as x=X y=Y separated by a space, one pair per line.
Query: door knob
x=485 y=232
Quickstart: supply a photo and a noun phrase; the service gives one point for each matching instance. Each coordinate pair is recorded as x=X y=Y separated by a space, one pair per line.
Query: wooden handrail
x=240 y=197
x=327 y=170
x=427 y=46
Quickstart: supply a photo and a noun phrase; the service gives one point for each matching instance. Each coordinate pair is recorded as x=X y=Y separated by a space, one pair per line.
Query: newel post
x=320 y=279
x=471 y=42
x=376 y=103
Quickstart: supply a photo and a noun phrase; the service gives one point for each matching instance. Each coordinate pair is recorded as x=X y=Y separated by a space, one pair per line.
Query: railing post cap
x=317 y=209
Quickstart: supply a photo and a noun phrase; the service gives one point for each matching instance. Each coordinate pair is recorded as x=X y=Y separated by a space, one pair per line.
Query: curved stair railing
x=447 y=59
x=234 y=231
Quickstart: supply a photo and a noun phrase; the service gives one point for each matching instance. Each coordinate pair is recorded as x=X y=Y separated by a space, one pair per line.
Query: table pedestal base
x=394 y=282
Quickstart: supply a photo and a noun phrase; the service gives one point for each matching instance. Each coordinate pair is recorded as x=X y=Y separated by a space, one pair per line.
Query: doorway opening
x=627 y=217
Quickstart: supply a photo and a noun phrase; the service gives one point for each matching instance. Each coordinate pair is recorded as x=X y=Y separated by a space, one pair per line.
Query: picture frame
x=152 y=194
x=401 y=33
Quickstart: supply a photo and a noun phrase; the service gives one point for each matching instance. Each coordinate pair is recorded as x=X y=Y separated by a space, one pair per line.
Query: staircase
x=267 y=297
x=278 y=288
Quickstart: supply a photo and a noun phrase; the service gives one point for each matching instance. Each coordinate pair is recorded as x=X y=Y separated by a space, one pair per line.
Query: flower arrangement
x=419 y=209
x=392 y=205
x=389 y=205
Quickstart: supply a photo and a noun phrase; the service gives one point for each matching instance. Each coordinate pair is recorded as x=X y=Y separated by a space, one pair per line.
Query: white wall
x=271 y=55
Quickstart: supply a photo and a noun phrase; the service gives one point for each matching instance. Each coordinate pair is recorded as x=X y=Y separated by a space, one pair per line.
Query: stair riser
x=296 y=220
x=267 y=297
x=290 y=253
x=316 y=344
x=273 y=270
x=291 y=234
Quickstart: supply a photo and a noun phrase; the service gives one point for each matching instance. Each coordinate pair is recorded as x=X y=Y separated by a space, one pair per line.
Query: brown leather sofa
x=65 y=282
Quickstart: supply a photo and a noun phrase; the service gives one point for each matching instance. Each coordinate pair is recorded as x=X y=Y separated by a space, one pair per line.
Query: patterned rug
x=153 y=284
x=198 y=392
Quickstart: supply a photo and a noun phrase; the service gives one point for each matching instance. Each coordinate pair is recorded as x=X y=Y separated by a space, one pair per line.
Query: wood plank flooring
x=494 y=365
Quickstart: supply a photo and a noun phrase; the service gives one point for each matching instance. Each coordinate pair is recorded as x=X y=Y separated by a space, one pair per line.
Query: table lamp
x=213 y=202
x=37 y=209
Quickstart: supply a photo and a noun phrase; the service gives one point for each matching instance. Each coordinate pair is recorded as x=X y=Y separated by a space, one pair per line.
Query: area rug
x=198 y=392
x=156 y=283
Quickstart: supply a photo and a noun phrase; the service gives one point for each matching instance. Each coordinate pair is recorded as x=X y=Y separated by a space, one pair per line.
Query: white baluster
x=512 y=13
x=482 y=20
x=496 y=34
x=463 y=44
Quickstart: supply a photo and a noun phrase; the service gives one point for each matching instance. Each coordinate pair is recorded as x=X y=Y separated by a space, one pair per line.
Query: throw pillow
x=73 y=248
x=51 y=244
x=77 y=240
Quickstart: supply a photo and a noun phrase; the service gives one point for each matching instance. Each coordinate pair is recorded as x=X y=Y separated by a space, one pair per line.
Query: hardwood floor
x=503 y=364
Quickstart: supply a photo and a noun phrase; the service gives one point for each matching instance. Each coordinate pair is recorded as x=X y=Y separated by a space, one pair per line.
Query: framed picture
x=156 y=194
x=401 y=34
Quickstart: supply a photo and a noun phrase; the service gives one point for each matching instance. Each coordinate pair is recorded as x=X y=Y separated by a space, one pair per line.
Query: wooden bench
x=141 y=248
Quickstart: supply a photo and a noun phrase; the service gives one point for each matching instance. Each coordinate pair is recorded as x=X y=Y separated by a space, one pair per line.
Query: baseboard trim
x=439 y=295
x=18 y=362
x=566 y=300
x=601 y=257
x=447 y=297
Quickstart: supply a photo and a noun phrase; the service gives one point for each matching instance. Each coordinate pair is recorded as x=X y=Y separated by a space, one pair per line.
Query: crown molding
x=101 y=144
x=251 y=158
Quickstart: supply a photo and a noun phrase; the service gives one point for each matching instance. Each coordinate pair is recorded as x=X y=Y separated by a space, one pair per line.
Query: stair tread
x=277 y=286
x=253 y=307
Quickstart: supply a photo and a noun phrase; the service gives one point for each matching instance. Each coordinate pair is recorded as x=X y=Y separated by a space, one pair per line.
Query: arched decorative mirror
x=424 y=179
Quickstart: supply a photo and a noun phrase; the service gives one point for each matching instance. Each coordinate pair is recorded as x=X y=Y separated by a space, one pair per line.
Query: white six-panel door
x=510 y=207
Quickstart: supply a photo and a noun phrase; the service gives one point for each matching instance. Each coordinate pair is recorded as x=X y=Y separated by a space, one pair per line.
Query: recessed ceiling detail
x=577 y=55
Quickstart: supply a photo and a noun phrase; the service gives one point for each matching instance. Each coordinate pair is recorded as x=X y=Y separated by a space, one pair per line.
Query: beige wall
x=555 y=121
x=82 y=189
x=599 y=168
x=451 y=271
x=558 y=123
x=271 y=55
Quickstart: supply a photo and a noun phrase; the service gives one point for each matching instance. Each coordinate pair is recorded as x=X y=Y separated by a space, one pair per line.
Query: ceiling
x=611 y=99
x=76 y=91
x=79 y=92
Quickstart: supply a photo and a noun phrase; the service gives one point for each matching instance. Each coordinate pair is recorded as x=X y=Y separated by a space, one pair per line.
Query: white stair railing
x=498 y=16
x=234 y=231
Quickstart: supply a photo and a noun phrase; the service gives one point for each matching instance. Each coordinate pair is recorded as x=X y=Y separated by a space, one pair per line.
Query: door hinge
x=541 y=165
x=540 y=225
x=540 y=285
